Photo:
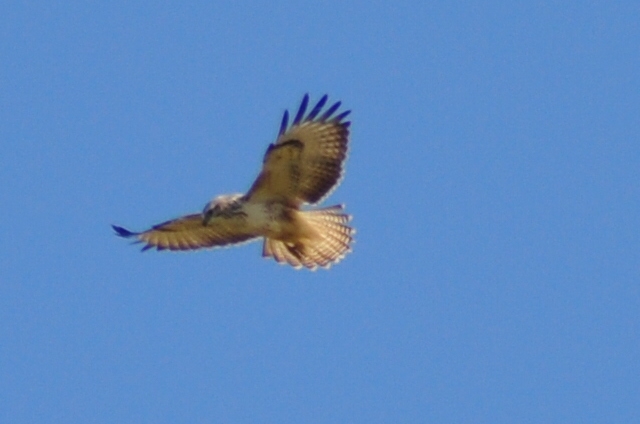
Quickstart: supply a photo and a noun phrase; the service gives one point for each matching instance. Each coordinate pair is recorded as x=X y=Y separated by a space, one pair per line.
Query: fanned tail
x=330 y=248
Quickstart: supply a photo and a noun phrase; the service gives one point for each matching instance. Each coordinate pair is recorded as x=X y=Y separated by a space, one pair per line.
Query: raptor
x=302 y=167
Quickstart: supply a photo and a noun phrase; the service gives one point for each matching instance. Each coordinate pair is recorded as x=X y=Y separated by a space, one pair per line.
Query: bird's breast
x=269 y=219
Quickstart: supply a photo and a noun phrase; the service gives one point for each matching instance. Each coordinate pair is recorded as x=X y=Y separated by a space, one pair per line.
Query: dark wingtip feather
x=330 y=111
x=318 y=107
x=303 y=108
x=343 y=115
x=285 y=122
x=123 y=232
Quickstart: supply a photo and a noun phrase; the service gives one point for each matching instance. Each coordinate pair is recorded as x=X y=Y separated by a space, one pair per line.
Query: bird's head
x=221 y=205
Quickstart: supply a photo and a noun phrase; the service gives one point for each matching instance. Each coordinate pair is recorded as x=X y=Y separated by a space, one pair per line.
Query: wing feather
x=306 y=162
x=318 y=107
x=189 y=233
x=301 y=110
x=330 y=111
x=284 y=124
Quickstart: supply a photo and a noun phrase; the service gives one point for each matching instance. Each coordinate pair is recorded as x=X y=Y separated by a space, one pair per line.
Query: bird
x=299 y=170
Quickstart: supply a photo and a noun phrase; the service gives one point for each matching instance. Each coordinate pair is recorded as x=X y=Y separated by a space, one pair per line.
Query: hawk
x=303 y=166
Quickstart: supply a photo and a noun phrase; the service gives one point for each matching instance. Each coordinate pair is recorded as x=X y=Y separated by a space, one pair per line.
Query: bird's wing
x=306 y=161
x=190 y=233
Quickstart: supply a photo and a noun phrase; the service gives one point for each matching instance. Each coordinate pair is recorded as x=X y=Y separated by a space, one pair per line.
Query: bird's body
x=303 y=166
x=266 y=219
x=273 y=220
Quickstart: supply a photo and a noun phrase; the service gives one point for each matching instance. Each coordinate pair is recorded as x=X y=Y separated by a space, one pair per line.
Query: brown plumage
x=302 y=167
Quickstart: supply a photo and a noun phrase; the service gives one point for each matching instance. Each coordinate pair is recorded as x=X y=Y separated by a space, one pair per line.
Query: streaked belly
x=269 y=220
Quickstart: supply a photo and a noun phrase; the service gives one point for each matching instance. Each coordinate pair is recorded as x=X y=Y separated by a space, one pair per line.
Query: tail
x=331 y=247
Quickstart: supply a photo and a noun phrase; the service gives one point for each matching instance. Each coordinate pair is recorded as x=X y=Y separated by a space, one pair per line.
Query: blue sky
x=493 y=179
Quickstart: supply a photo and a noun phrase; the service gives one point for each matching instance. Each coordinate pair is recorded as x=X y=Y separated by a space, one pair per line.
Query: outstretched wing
x=190 y=233
x=306 y=161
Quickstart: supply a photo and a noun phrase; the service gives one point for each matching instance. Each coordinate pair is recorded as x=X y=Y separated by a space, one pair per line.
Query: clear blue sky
x=493 y=178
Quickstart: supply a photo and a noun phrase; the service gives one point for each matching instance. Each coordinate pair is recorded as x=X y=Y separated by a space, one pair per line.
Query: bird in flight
x=303 y=166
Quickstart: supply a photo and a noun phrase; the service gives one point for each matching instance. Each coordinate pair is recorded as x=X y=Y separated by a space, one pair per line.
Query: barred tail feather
x=332 y=245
